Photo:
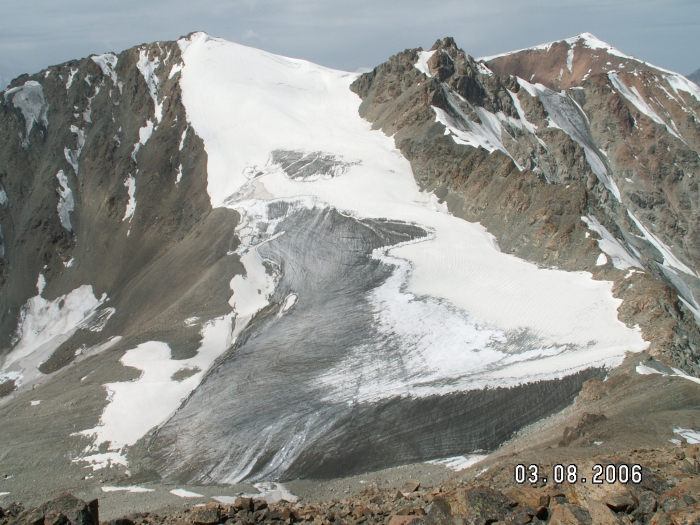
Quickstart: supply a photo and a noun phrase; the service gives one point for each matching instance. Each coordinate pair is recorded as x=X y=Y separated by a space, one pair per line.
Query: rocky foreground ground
x=668 y=494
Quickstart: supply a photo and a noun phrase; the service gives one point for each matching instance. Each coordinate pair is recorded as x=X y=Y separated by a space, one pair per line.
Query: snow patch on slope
x=135 y=407
x=73 y=155
x=144 y=134
x=422 y=63
x=71 y=76
x=130 y=184
x=584 y=39
x=621 y=258
x=66 y=204
x=108 y=64
x=148 y=71
x=45 y=325
x=670 y=260
x=29 y=99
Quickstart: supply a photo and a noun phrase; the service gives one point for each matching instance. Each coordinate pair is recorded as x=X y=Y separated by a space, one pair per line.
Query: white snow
x=226 y=500
x=530 y=88
x=73 y=155
x=40 y=284
x=271 y=493
x=69 y=262
x=483 y=69
x=108 y=64
x=521 y=114
x=137 y=406
x=670 y=260
x=621 y=258
x=691 y=436
x=179 y=175
x=647 y=370
x=458 y=463
x=570 y=59
x=182 y=139
x=289 y=301
x=422 y=63
x=148 y=70
x=66 y=204
x=130 y=184
x=246 y=103
x=36 y=402
x=182 y=493
x=71 y=76
x=144 y=134
x=681 y=83
x=602 y=260
x=4 y=494
x=3 y=198
x=175 y=70
x=29 y=98
x=45 y=325
x=135 y=489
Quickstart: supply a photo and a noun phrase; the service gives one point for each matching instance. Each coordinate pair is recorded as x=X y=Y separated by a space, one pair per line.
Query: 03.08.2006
x=600 y=474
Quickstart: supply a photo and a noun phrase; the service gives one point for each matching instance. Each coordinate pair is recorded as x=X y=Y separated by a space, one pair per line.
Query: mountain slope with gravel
x=221 y=265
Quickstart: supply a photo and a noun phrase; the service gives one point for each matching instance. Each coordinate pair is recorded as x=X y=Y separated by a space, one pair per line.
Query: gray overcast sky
x=345 y=34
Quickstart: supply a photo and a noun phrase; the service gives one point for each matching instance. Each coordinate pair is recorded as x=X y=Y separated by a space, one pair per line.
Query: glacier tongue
x=360 y=298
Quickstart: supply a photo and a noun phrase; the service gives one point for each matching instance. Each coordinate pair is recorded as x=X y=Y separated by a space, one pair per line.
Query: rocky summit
x=230 y=274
